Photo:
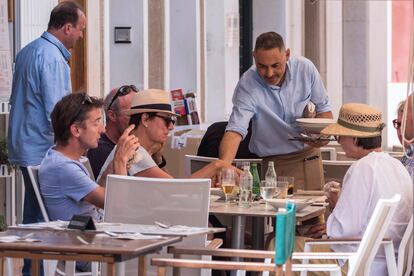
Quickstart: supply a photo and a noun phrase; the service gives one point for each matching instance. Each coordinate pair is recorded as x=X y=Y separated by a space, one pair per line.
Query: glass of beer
x=282 y=189
x=291 y=183
x=228 y=182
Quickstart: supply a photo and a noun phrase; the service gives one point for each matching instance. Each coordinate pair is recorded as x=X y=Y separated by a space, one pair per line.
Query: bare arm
x=96 y=197
x=154 y=172
x=229 y=145
x=327 y=114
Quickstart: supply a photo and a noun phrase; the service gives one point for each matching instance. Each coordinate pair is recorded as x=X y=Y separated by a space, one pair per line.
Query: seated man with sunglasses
x=115 y=103
x=65 y=184
x=153 y=117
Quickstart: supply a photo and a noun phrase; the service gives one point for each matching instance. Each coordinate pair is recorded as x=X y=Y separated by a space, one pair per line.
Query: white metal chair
x=85 y=161
x=194 y=162
x=359 y=262
x=405 y=252
x=50 y=266
x=142 y=200
x=335 y=170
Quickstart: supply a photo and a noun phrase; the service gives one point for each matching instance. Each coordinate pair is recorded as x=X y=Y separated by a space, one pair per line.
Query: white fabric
x=146 y=162
x=375 y=176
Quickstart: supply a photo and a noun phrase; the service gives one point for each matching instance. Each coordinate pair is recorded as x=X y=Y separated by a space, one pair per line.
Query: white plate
x=314 y=125
x=281 y=203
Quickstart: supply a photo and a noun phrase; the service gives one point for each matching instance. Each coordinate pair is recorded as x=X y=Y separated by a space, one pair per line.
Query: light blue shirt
x=274 y=109
x=63 y=184
x=40 y=80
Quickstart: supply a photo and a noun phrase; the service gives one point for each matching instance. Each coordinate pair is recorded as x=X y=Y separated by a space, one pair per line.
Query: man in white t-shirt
x=373 y=176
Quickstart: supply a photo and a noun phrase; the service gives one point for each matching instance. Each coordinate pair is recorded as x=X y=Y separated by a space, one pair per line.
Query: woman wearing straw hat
x=373 y=176
x=153 y=117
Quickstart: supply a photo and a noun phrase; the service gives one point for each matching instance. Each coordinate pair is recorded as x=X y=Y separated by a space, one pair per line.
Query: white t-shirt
x=146 y=162
x=375 y=176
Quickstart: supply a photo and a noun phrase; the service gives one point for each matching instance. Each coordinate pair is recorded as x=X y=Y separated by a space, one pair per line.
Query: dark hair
x=369 y=143
x=64 y=12
x=73 y=108
x=269 y=40
x=136 y=118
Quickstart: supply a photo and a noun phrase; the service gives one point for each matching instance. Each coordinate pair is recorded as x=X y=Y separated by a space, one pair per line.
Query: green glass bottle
x=256 y=179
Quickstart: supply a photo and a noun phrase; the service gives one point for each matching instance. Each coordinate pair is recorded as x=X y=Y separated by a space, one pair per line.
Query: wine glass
x=228 y=182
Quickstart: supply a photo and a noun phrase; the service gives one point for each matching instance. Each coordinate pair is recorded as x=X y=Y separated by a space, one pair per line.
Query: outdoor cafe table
x=258 y=211
x=65 y=245
x=58 y=243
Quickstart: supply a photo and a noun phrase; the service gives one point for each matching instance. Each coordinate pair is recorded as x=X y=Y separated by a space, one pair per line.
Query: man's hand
x=317 y=143
x=332 y=191
x=125 y=150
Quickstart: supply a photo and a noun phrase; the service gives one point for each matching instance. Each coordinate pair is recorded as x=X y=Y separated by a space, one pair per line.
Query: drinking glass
x=282 y=189
x=291 y=182
x=267 y=189
x=228 y=182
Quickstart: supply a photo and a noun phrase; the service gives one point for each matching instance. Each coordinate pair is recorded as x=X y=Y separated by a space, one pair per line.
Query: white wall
x=183 y=40
x=222 y=59
x=126 y=60
x=269 y=15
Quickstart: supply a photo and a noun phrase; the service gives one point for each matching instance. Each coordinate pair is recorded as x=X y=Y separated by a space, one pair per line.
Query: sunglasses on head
x=396 y=124
x=168 y=119
x=122 y=91
x=86 y=100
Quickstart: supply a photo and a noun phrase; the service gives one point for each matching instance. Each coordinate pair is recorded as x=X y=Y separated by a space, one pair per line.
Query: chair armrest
x=229 y=265
x=322 y=255
x=215 y=244
x=222 y=252
x=340 y=241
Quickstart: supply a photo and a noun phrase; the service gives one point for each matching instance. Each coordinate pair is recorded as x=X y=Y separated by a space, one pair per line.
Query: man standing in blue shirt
x=41 y=78
x=273 y=93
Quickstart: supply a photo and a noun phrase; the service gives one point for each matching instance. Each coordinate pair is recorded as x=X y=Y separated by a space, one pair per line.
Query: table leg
x=258 y=232
x=110 y=269
x=35 y=267
x=237 y=237
x=142 y=266
x=120 y=269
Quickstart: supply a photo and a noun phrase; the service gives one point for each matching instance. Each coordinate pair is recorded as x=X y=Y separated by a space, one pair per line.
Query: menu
x=5 y=57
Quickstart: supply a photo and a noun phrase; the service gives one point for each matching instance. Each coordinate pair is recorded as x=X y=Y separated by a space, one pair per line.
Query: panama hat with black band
x=150 y=100
x=356 y=120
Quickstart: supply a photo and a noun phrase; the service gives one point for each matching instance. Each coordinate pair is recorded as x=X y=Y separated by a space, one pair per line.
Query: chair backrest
x=171 y=201
x=34 y=179
x=335 y=170
x=405 y=251
x=328 y=153
x=360 y=264
x=85 y=161
x=285 y=234
x=193 y=163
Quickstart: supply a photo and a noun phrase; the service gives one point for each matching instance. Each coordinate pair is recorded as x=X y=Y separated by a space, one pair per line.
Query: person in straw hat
x=374 y=175
x=152 y=114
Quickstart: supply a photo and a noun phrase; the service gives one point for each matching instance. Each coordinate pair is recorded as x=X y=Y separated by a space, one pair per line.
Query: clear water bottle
x=271 y=176
x=246 y=186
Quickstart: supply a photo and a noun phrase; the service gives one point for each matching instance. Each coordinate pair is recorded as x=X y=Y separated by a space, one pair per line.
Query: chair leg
x=288 y=268
x=70 y=268
x=142 y=266
x=9 y=266
x=49 y=267
x=95 y=268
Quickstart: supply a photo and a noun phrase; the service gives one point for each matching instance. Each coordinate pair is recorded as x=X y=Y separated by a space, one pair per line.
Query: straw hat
x=151 y=100
x=356 y=120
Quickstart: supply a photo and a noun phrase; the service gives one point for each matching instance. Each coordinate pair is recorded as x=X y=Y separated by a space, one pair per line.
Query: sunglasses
x=168 y=119
x=86 y=100
x=396 y=124
x=122 y=91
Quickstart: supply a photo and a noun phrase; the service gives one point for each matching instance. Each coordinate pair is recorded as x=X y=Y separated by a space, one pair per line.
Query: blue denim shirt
x=40 y=80
x=274 y=109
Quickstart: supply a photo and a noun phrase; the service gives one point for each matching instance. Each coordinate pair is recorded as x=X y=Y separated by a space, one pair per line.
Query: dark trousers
x=31 y=214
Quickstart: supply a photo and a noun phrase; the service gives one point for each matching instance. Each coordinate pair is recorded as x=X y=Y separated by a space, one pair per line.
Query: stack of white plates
x=314 y=125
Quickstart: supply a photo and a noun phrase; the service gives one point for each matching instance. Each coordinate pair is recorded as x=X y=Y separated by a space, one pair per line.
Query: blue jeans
x=31 y=214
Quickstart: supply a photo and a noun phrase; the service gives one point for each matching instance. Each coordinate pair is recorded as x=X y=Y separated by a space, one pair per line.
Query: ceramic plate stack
x=314 y=125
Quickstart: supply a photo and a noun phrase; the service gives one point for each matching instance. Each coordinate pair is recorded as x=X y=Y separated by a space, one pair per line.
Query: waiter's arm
x=327 y=115
x=229 y=146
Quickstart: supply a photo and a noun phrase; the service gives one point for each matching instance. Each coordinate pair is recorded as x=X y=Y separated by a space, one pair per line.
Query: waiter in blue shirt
x=40 y=80
x=273 y=93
